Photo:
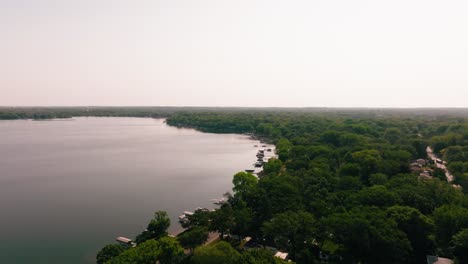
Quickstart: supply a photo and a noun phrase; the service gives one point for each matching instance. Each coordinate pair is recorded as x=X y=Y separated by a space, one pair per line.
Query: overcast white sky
x=398 y=53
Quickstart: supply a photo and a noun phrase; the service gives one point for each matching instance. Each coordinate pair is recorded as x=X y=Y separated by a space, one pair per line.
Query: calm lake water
x=67 y=188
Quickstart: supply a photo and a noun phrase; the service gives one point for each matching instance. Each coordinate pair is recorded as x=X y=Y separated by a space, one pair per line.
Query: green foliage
x=194 y=237
x=449 y=220
x=272 y=166
x=218 y=253
x=290 y=230
x=368 y=161
x=283 y=146
x=460 y=246
x=109 y=252
x=222 y=220
x=418 y=228
x=378 y=179
x=244 y=184
x=392 y=134
x=366 y=235
x=277 y=194
x=199 y=218
x=166 y=250
x=157 y=227
x=462 y=180
x=243 y=219
x=439 y=174
x=377 y=195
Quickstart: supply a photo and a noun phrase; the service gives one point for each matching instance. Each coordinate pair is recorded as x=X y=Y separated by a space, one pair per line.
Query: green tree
x=291 y=231
x=243 y=219
x=109 y=252
x=378 y=179
x=460 y=246
x=157 y=227
x=462 y=180
x=392 y=134
x=272 y=166
x=244 y=184
x=377 y=195
x=331 y=137
x=218 y=253
x=222 y=220
x=368 y=161
x=193 y=238
x=165 y=250
x=366 y=235
x=283 y=146
x=440 y=174
x=449 y=220
x=418 y=228
x=200 y=217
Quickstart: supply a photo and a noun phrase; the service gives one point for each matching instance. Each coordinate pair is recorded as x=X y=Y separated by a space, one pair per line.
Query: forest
x=341 y=190
x=342 y=186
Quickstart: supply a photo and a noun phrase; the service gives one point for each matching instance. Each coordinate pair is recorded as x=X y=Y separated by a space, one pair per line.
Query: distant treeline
x=10 y=113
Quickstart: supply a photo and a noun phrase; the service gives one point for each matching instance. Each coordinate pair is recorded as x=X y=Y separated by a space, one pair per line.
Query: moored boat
x=219 y=201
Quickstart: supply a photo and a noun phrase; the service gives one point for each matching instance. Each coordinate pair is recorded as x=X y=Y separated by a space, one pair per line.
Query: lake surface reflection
x=69 y=187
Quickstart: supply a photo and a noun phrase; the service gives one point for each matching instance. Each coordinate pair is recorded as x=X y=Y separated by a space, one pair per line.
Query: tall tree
x=244 y=185
x=193 y=237
x=157 y=227
x=165 y=250
x=418 y=228
x=460 y=246
x=218 y=253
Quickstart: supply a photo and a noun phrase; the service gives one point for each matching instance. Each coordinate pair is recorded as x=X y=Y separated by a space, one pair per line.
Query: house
x=425 y=175
x=281 y=255
x=414 y=167
x=421 y=162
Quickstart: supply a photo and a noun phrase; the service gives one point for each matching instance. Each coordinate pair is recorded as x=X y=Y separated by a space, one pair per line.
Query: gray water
x=69 y=187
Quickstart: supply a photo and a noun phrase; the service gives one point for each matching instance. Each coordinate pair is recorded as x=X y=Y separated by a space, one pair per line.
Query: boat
x=126 y=241
x=249 y=170
x=258 y=164
x=188 y=213
x=219 y=201
x=182 y=216
x=203 y=209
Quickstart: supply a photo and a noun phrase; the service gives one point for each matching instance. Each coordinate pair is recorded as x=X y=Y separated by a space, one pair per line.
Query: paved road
x=442 y=166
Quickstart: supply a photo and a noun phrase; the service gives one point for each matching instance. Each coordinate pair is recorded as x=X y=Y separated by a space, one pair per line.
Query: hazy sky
x=398 y=53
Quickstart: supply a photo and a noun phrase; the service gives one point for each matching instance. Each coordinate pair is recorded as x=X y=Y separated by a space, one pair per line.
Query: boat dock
x=264 y=153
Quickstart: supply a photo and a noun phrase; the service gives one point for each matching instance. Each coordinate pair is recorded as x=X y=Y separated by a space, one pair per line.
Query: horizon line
x=256 y=107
